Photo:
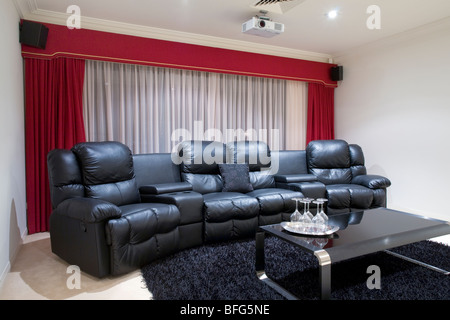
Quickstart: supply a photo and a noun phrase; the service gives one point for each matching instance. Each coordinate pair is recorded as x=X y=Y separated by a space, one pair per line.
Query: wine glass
x=318 y=218
x=307 y=215
x=296 y=216
x=322 y=212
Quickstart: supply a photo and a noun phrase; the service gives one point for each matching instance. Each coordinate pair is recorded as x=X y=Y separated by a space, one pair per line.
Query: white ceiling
x=308 y=32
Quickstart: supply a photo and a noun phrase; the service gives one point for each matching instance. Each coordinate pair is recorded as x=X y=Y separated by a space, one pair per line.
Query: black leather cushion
x=120 y=193
x=229 y=215
x=200 y=157
x=349 y=196
x=88 y=210
x=333 y=176
x=290 y=161
x=311 y=189
x=162 y=188
x=261 y=180
x=235 y=178
x=224 y=206
x=144 y=220
x=107 y=171
x=328 y=154
x=273 y=200
x=145 y=232
x=290 y=178
x=155 y=168
x=189 y=203
x=329 y=160
x=203 y=183
x=64 y=176
x=357 y=160
x=104 y=162
x=372 y=181
x=255 y=153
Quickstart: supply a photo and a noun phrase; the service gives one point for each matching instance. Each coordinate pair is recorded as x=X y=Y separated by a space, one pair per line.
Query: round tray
x=310 y=229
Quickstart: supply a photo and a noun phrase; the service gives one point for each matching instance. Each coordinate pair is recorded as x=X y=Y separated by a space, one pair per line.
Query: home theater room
x=230 y=157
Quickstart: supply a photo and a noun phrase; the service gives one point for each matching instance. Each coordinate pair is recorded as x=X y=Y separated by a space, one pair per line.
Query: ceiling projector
x=263 y=27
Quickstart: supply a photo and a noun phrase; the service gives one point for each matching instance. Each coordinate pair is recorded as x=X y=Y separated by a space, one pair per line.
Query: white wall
x=12 y=146
x=395 y=102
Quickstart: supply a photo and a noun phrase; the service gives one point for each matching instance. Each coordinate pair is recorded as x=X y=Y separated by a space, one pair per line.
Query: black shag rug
x=226 y=271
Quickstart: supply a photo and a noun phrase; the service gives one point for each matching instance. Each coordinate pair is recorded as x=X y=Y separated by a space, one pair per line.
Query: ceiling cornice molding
x=30 y=11
x=25 y=7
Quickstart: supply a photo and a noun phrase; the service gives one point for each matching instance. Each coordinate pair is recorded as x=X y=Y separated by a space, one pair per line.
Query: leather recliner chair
x=340 y=167
x=334 y=170
x=99 y=222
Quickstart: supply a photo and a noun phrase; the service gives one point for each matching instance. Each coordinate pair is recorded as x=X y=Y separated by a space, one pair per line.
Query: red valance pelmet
x=97 y=45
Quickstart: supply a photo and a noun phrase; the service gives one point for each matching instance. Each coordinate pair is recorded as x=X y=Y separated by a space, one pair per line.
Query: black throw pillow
x=235 y=178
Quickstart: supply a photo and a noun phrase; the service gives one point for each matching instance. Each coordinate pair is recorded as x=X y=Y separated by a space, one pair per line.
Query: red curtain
x=320 y=124
x=53 y=119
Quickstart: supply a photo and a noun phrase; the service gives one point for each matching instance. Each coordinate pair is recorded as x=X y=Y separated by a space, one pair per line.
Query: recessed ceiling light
x=332 y=14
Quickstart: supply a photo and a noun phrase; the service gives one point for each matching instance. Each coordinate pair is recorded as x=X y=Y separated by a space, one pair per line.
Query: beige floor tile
x=38 y=274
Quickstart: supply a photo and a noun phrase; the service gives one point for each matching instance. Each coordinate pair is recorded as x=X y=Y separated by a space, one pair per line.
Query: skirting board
x=7 y=267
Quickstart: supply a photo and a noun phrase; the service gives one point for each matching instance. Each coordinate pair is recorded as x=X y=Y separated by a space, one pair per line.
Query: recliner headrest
x=328 y=154
x=104 y=162
x=203 y=157
x=108 y=172
x=255 y=153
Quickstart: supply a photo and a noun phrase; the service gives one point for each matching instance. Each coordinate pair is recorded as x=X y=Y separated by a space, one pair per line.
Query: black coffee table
x=360 y=233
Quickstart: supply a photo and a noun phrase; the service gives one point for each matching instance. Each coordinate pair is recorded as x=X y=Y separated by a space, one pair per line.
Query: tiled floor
x=38 y=274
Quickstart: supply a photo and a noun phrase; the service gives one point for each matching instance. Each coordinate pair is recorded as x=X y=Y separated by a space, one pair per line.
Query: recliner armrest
x=288 y=178
x=162 y=188
x=189 y=203
x=88 y=209
x=372 y=181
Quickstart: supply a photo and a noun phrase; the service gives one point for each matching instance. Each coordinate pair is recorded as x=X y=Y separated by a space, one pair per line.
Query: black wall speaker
x=337 y=73
x=33 y=34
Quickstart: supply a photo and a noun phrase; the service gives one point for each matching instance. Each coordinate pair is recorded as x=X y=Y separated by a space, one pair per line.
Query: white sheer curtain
x=152 y=109
x=296 y=115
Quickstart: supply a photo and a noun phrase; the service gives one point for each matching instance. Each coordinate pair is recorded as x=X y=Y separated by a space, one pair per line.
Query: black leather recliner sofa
x=115 y=212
